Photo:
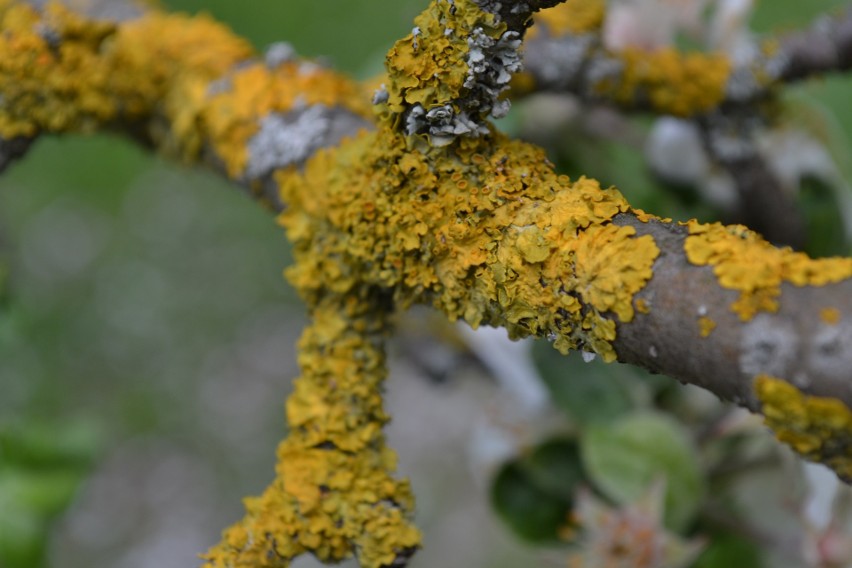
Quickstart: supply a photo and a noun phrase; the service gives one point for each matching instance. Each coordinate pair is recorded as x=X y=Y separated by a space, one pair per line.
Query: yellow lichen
x=231 y=116
x=669 y=81
x=706 y=326
x=642 y=306
x=334 y=494
x=743 y=261
x=482 y=229
x=60 y=72
x=831 y=316
x=818 y=428
x=572 y=17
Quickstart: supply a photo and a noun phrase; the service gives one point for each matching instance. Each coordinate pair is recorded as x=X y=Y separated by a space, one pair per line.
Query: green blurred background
x=146 y=334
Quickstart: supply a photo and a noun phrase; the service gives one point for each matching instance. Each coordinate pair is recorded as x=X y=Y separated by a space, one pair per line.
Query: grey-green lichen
x=446 y=77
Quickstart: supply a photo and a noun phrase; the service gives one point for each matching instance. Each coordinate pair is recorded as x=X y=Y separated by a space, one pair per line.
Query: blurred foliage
x=625 y=456
x=535 y=494
x=41 y=466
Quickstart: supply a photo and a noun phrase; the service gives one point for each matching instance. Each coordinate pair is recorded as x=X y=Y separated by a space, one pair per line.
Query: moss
x=818 y=428
x=743 y=261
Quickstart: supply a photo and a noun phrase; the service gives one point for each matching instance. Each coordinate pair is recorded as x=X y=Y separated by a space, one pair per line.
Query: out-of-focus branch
x=567 y=55
x=764 y=205
x=12 y=149
x=825 y=47
x=573 y=59
x=183 y=85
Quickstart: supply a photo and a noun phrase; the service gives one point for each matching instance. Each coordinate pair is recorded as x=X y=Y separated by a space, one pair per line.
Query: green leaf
x=625 y=456
x=587 y=392
x=534 y=494
x=22 y=539
x=41 y=445
x=40 y=493
x=729 y=550
x=822 y=213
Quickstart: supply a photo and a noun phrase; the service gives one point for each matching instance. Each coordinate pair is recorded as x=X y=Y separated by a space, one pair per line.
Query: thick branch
x=690 y=331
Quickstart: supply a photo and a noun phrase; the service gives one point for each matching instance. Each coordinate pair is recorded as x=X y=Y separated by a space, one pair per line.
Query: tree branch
x=435 y=207
x=184 y=86
x=572 y=58
x=334 y=494
x=764 y=205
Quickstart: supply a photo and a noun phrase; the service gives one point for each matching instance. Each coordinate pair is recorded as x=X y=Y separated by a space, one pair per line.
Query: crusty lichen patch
x=428 y=67
x=484 y=230
x=743 y=261
x=232 y=115
x=61 y=72
x=831 y=316
x=818 y=428
x=334 y=494
x=670 y=82
x=706 y=326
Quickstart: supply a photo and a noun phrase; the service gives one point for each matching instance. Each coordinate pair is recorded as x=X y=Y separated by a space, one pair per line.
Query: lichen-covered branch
x=434 y=206
x=184 y=85
x=566 y=54
x=334 y=494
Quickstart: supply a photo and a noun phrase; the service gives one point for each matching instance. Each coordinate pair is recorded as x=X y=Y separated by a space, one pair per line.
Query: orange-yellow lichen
x=60 y=72
x=572 y=17
x=334 y=494
x=642 y=306
x=42 y=86
x=743 y=261
x=706 y=326
x=231 y=116
x=484 y=230
x=818 y=428
x=669 y=81
x=831 y=316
